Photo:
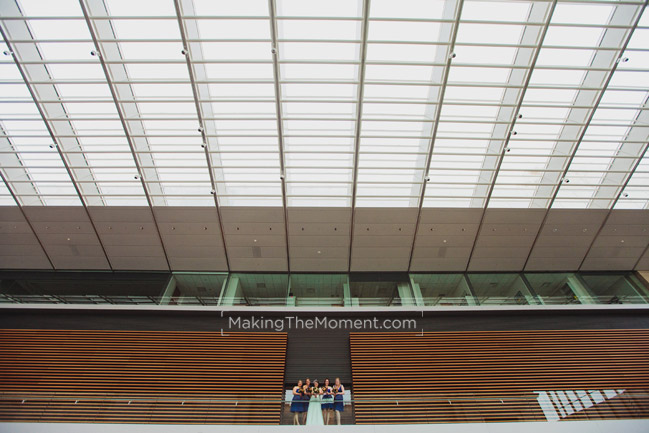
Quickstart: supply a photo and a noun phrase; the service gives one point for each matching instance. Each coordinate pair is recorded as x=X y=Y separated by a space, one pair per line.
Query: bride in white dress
x=314 y=416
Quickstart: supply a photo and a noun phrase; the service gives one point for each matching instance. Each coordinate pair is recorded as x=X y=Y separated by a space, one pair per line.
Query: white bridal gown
x=314 y=416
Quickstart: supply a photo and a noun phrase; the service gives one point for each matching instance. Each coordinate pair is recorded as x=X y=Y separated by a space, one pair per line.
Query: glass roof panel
x=234 y=81
x=559 y=127
x=614 y=141
x=318 y=119
x=476 y=118
x=397 y=119
x=521 y=116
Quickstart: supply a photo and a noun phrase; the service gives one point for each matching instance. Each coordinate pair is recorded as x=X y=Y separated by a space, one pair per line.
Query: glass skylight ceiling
x=439 y=103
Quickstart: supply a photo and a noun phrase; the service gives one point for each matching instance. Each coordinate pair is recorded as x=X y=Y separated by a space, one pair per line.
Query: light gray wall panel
x=565 y=238
x=383 y=239
x=445 y=264
x=130 y=237
x=643 y=264
x=257 y=265
x=19 y=248
x=319 y=239
x=444 y=239
x=68 y=236
x=487 y=264
x=323 y=264
x=192 y=238
x=505 y=239
x=322 y=241
x=255 y=238
x=621 y=241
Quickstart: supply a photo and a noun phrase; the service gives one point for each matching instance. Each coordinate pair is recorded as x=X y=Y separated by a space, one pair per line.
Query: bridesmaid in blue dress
x=306 y=397
x=327 y=395
x=339 y=406
x=297 y=406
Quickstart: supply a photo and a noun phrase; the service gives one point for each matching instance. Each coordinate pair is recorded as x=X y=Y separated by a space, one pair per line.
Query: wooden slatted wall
x=498 y=375
x=155 y=371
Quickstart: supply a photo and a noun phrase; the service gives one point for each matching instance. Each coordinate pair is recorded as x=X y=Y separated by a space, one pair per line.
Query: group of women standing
x=317 y=403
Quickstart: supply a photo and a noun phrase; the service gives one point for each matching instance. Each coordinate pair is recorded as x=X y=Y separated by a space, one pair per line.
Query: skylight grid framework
x=67 y=121
x=319 y=129
x=234 y=77
x=162 y=171
x=416 y=122
x=320 y=80
x=568 y=123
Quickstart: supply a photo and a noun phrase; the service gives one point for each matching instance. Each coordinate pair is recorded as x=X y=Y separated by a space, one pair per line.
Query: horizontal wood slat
x=141 y=376
x=499 y=375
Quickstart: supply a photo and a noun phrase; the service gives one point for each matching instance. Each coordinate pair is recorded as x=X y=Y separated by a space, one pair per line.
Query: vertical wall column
x=231 y=292
x=416 y=293
x=407 y=295
x=167 y=293
x=581 y=291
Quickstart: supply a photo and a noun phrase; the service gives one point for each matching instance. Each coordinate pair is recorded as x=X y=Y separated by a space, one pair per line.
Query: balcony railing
x=541 y=405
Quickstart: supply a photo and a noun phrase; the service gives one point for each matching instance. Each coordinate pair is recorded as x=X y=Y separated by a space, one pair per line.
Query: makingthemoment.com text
x=295 y=322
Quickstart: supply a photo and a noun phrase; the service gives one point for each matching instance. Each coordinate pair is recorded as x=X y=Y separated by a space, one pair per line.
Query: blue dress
x=297 y=404
x=305 y=402
x=338 y=401
x=326 y=406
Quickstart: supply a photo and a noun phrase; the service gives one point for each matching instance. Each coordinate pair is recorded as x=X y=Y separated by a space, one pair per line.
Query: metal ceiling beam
x=371 y=119
x=433 y=137
x=502 y=170
x=338 y=101
x=129 y=139
x=191 y=182
x=359 y=118
x=189 y=52
x=57 y=146
x=335 y=119
x=22 y=211
x=337 y=41
x=322 y=81
x=514 y=116
x=123 y=62
x=16 y=170
x=328 y=18
x=280 y=126
x=561 y=178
